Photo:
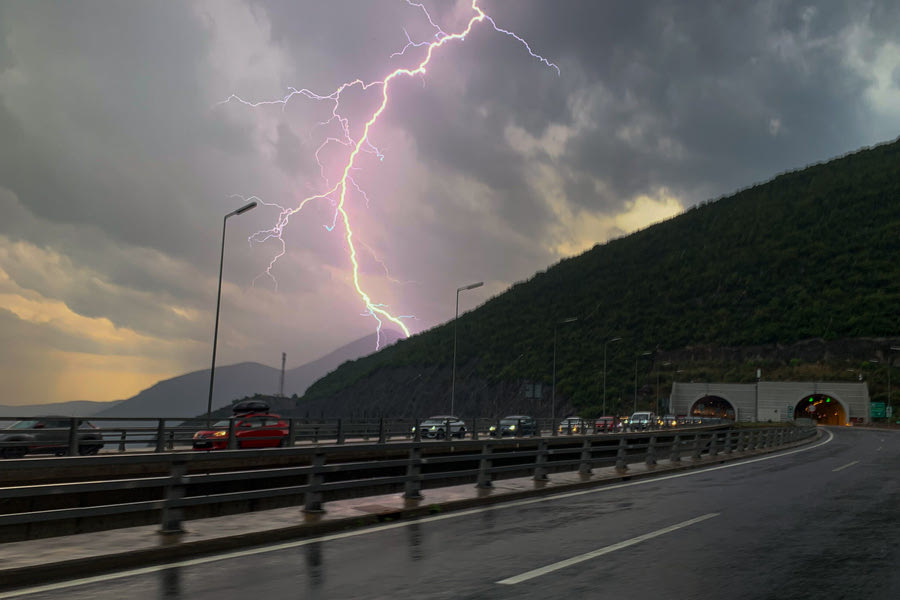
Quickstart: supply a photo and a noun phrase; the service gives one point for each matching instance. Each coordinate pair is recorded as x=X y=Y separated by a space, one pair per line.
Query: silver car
x=437 y=427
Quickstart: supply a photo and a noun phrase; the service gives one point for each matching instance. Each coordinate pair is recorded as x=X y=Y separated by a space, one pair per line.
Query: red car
x=254 y=428
x=606 y=424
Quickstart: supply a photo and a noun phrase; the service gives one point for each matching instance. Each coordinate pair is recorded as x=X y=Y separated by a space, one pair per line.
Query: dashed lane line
x=601 y=551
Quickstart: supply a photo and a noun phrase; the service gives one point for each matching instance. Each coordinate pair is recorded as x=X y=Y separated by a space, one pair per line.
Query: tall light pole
x=553 y=391
x=890 y=365
x=471 y=286
x=639 y=357
x=615 y=339
x=212 y=369
x=665 y=364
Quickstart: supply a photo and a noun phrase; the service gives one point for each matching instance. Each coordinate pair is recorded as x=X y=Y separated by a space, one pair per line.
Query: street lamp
x=890 y=364
x=553 y=392
x=643 y=354
x=471 y=286
x=615 y=339
x=212 y=369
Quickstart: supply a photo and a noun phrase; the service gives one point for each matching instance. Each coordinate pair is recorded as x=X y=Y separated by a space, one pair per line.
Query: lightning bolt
x=336 y=194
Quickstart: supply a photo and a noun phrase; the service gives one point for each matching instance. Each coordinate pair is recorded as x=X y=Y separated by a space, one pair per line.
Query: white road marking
x=600 y=552
x=844 y=467
x=349 y=534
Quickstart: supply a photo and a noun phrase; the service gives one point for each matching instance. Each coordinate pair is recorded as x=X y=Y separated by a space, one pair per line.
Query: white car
x=437 y=427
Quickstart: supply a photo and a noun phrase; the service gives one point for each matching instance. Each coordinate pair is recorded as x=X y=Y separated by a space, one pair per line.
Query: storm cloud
x=119 y=158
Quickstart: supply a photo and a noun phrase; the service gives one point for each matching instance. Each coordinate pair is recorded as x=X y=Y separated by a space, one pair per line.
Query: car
x=670 y=421
x=436 y=427
x=254 y=427
x=606 y=424
x=641 y=421
x=48 y=434
x=516 y=425
x=571 y=425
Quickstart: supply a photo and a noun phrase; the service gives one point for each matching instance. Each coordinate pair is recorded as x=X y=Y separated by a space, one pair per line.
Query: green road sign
x=877 y=410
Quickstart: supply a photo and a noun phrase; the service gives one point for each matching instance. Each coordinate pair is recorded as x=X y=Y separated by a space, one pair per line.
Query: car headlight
x=432 y=428
x=492 y=428
x=220 y=434
x=512 y=427
x=413 y=430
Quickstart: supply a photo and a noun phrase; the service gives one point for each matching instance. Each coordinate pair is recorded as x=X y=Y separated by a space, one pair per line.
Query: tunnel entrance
x=822 y=408
x=713 y=406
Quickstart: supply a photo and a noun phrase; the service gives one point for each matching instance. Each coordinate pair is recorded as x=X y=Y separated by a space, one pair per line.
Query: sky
x=128 y=130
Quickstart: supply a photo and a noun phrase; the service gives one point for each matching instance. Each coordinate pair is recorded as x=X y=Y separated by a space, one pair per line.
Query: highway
x=814 y=522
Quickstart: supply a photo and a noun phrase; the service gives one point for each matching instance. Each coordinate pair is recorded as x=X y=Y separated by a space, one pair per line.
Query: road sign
x=877 y=410
x=889 y=410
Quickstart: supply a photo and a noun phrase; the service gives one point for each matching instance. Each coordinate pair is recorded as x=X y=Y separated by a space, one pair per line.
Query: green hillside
x=811 y=254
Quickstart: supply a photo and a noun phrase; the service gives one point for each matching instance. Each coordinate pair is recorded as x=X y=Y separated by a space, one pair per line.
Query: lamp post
x=615 y=339
x=641 y=355
x=553 y=391
x=890 y=365
x=471 y=286
x=665 y=364
x=212 y=369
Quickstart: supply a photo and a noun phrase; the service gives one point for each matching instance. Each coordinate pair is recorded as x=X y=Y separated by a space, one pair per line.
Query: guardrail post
x=584 y=467
x=651 y=452
x=418 y=437
x=484 y=468
x=382 y=438
x=312 y=503
x=170 y=442
x=292 y=433
x=540 y=462
x=727 y=442
x=698 y=446
x=675 y=451
x=73 y=438
x=340 y=431
x=160 y=435
x=172 y=514
x=621 y=465
x=232 y=442
x=714 y=444
x=122 y=442
x=413 y=485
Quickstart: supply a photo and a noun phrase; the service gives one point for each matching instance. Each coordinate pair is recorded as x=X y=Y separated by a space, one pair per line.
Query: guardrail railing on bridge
x=80 y=436
x=32 y=511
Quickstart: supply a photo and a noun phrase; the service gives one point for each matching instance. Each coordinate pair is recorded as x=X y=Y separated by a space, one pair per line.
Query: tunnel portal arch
x=713 y=406
x=824 y=409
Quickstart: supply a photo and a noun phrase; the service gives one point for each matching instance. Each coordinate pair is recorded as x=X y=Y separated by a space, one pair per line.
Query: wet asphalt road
x=822 y=522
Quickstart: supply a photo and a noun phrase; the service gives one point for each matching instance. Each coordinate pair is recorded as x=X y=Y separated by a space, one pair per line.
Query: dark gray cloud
x=118 y=162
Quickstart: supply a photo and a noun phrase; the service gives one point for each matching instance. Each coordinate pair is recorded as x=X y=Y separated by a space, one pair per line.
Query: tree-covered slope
x=811 y=254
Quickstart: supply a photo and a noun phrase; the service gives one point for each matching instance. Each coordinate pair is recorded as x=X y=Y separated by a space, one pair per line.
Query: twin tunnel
x=821 y=408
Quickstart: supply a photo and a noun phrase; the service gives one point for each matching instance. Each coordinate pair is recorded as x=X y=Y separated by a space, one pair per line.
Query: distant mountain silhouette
x=75 y=408
x=186 y=395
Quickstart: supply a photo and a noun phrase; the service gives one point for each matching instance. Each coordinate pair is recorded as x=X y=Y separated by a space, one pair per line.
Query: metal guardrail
x=33 y=511
x=176 y=434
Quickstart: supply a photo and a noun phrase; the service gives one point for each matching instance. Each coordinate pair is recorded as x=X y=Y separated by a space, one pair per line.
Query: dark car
x=254 y=427
x=48 y=435
x=515 y=425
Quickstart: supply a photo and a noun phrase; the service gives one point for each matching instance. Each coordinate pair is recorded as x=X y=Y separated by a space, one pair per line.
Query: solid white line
x=844 y=467
x=600 y=552
x=348 y=534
